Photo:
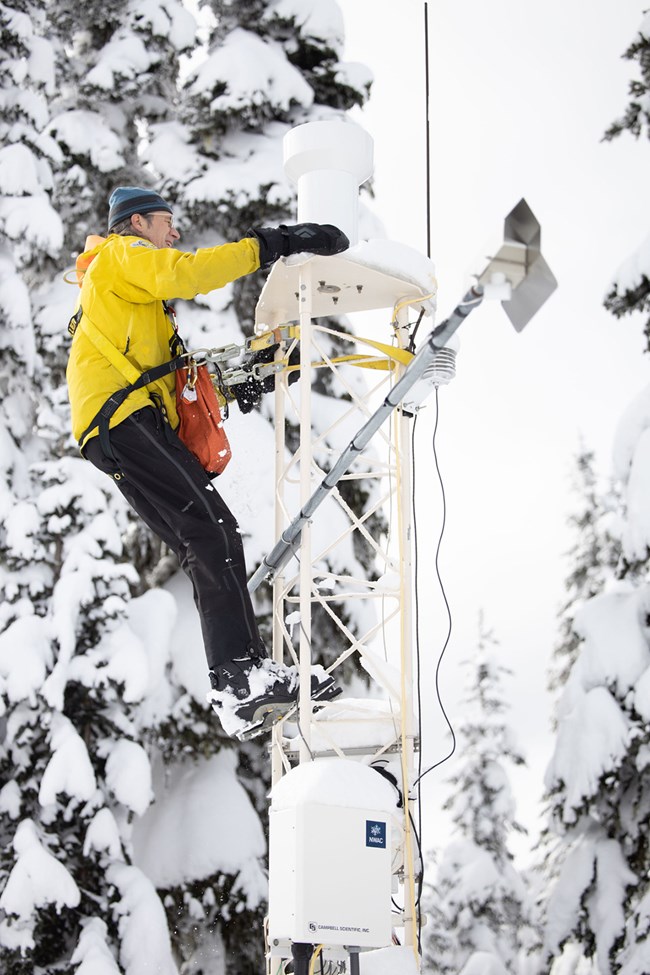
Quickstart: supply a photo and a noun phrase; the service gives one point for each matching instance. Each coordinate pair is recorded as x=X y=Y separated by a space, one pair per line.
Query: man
x=128 y=278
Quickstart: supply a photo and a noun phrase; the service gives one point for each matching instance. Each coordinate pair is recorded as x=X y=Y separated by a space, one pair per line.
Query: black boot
x=250 y=694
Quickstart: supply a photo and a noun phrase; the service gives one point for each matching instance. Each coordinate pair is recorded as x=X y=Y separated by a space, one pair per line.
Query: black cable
x=444 y=596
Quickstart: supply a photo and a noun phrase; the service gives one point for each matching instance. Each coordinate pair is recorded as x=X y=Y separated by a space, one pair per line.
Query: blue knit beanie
x=124 y=201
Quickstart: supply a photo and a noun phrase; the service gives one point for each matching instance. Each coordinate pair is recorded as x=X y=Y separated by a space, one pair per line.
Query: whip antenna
x=427 y=124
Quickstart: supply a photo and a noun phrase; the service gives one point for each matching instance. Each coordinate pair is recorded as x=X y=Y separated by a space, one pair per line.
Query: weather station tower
x=345 y=866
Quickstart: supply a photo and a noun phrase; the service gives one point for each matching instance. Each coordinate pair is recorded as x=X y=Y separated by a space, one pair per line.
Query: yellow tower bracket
x=391 y=355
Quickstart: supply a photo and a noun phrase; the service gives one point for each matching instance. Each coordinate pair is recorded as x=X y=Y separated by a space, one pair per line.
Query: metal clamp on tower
x=344 y=863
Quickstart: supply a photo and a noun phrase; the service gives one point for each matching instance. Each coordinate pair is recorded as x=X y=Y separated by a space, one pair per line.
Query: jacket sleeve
x=148 y=273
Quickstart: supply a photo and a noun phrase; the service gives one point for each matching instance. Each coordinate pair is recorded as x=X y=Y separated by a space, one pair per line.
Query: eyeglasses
x=166 y=215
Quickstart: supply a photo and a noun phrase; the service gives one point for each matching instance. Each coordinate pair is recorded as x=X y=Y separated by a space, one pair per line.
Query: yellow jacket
x=121 y=294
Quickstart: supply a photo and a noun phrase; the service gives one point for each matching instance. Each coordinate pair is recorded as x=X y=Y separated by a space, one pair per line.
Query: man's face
x=157 y=227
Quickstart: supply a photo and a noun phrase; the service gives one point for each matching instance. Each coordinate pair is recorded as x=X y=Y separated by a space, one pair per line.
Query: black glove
x=310 y=238
x=249 y=393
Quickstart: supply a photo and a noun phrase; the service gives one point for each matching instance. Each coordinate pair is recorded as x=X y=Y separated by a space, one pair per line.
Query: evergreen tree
x=478 y=904
x=596 y=559
x=598 y=788
x=636 y=118
x=30 y=236
x=104 y=712
x=595 y=556
x=630 y=290
x=77 y=668
x=599 y=793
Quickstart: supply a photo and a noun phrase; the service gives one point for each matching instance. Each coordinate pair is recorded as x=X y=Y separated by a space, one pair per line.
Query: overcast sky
x=520 y=95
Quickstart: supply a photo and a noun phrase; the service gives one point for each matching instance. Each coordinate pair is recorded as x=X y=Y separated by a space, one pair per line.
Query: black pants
x=173 y=495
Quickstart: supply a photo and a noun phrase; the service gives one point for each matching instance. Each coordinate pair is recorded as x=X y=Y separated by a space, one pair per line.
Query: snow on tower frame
x=329 y=160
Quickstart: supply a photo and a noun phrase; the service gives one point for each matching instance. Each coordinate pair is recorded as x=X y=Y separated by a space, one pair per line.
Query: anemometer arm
x=518 y=266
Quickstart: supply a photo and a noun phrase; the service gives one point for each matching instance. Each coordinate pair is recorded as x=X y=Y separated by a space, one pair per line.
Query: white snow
x=355 y=722
x=391 y=258
x=592 y=738
x=127 y=661
x=616 y=649
x=135 y=654
x=636 y=533
x=396 y=960
x=92 y=954
x=87 y=133
x=201 y=823
x=386 y=674
x=321 y=20
x=25 y=655
x=606 y=909
x=18 y=171
x=32 y=219
x=189 y=667
x=41 y=63
x=636 y=955
x=14 y=298
x=250 y=168
x=125 y=56
x=592 y=856
x=103 y=835
x=354 y=75
x=642 y=695
x=144 y=935
x=634 y=420
x=169 y=19
x=629 y=275
x=69 y=770
x=128 y=775
x=483 y=963
x=37 y=878
x=400 y=260
x=169 y=149
x=18 y=23
x=334 y=782
x=631 y=460
x=269 y=77
x=573 y=962
x=10 y=799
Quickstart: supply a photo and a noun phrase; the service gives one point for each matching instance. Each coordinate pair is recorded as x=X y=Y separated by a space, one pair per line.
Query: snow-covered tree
x=594 y=556
x=597 y=781
x=636 y=118
x=595 y=563
x=130 y=838
x=88 y=675
x=30 y=230
x=479 y=915
x=598 y=786
x=630 y=289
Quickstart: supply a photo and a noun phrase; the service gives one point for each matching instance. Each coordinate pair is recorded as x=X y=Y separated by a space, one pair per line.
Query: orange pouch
x=201 y=424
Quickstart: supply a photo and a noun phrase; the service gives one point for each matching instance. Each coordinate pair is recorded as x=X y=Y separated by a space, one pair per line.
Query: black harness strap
x=115 y=400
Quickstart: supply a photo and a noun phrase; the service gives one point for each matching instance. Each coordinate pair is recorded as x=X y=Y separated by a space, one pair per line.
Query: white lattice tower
x=369 y=611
